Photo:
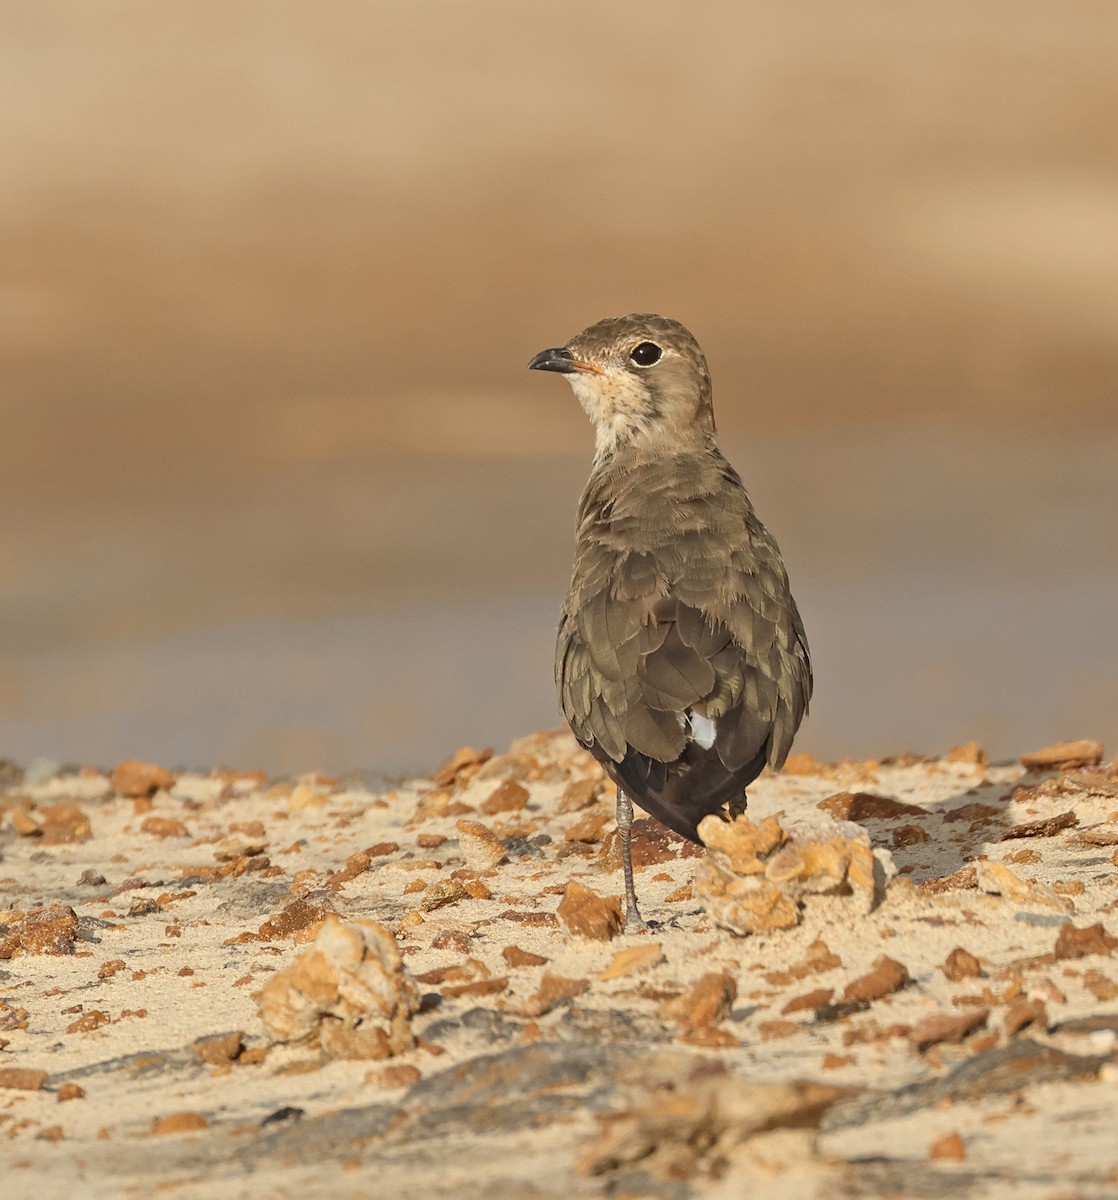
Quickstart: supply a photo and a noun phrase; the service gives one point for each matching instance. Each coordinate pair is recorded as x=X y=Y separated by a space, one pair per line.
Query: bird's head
x=642 y=380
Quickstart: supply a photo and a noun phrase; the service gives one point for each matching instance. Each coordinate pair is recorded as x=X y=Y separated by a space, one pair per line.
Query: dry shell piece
x=349 y=988
x=755 y=873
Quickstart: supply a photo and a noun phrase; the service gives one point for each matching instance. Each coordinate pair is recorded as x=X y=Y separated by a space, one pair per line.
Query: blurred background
x=276 y=489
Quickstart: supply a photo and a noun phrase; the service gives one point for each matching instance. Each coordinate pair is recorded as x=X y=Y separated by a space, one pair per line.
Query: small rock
x=553 y=990
x=865 y=806
x=1022 y=1013
x=282 y=1115
x=462 y=766
x=453 y=939
x=48 y=930
x=480 y=846
x=382 y=849
x=589 y=829
x=445 y=892
x=755 y=873
x=356 y=864
x=1046 y=828
x=817 y=959
x=532 y=920
x=946 y=1027
x=22 y=1079
x=961 y=964
x=24 y=824
x=237 y=845
x=510 y=766
x=393 y=1075
x=507 y=796
x=1078 y=943
x=181 y=1122
x=809 y=1002
x=579 y=794
x=586 y=914
x=1082 y=753
x=949 y=1148
x=771 y=1031
x=477 y=987
x=64 y=824
x=803 y=763
x=704 y=1003
x=305 y=795
x=252 y=829
x=70 y=1091
x=298 y=917
x=961 y=880
x=350 y=988
x=996 y=878
x=634 y=958
x=88 y=1022
x=908 y=835
x=710 y=1037
x=134 y=778
x=968 y=752
x=219 y=1048
x=515 y=957
x=885 y=977
x=164 y=827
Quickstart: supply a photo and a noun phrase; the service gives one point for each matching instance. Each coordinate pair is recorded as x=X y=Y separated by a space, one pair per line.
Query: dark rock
x=283 y=1115
x=1018 y=1064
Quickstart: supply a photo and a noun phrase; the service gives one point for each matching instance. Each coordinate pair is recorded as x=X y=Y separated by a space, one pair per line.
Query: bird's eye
x=645 y=354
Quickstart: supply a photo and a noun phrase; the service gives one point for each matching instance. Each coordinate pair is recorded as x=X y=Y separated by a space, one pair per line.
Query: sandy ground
x=957 y=1040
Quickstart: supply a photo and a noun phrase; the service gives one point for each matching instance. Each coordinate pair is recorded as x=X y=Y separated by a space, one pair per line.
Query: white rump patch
x=701 y=729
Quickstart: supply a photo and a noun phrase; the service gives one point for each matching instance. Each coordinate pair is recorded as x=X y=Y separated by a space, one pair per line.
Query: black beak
x=557 y=359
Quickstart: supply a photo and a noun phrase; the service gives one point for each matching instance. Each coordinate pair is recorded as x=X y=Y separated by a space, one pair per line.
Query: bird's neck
x=623 y=445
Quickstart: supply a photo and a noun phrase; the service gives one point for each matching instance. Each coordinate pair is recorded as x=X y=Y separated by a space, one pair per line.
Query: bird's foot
x=634 y=922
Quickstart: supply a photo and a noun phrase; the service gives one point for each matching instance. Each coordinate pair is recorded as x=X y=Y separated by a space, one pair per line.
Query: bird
x=681 y=661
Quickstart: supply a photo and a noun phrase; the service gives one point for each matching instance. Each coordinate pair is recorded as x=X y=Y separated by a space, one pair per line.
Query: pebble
x=134 y=778
x=950 y=1147
x=586 y=914
x=961 y=964
x=1078 y=943
x=885 y=977
x=480 y=847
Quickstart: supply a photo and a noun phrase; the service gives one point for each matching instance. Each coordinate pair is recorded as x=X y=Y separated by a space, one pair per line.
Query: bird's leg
x=737 y=806
x=633 y=919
